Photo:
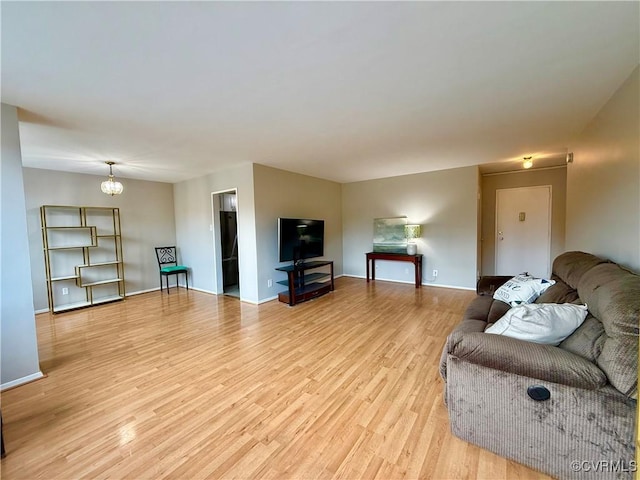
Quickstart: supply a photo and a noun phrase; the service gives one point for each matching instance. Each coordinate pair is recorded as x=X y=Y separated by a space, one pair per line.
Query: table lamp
x=411 y=232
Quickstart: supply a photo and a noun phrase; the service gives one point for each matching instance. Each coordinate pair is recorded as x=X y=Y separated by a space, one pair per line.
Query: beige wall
x=444 y=202
x=603 y=182
x=264 y=194
x=18 y=348
x=195 y=225
x=146 y=216
x=556 y=177
x=280 y=193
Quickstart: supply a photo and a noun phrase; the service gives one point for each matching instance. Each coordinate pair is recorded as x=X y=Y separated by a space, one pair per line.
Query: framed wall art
x=388 y=235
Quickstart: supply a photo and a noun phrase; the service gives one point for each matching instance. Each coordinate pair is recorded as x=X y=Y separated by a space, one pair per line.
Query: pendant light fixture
x=111 y=186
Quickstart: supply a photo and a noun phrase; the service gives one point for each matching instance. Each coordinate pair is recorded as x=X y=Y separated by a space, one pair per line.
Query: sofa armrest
x=466 y=326
x=488 y=285
x=544 y=362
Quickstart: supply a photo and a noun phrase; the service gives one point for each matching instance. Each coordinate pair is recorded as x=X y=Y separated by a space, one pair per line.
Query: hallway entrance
x=225 y=211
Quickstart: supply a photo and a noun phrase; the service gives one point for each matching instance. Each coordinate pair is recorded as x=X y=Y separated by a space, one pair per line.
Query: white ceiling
x=342 y=91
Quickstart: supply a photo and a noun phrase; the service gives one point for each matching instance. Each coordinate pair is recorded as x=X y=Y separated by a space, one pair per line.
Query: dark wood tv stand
x=305 y=286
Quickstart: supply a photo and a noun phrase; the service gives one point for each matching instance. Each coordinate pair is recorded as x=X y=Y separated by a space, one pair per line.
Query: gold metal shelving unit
x=82 y=256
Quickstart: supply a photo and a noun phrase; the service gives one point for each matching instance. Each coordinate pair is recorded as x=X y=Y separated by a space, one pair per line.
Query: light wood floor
x=191 y=385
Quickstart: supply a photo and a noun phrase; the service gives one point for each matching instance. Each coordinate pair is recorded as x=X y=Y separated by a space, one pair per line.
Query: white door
x=523 y=231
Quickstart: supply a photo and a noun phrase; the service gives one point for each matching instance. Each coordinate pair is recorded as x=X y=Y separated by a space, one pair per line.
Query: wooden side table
x=398 y=257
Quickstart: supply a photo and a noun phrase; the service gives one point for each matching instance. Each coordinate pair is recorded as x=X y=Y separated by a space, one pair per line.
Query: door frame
x=549 y=225
x=217 y=239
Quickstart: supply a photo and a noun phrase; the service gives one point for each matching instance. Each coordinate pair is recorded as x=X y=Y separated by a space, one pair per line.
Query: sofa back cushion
x=571 y=266
x=559 y=292
x=612 y=295
x=587 y=341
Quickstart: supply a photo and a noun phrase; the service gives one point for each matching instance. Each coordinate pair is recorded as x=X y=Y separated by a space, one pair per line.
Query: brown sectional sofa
x=586 y=429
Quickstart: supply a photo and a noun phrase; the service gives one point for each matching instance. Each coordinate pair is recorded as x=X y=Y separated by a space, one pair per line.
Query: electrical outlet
x=269 y=283
x=435 y=272
x=65 y=291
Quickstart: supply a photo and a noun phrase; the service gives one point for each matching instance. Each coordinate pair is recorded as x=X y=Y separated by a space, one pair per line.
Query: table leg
x=367 y=269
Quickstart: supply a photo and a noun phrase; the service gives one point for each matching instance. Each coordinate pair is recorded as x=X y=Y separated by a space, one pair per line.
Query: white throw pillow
x=548 y=323
x=522 y=289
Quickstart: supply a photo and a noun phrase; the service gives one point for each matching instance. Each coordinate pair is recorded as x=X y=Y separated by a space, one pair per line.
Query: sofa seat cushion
x=613 y=297
x=544 y=362
x=173 y=269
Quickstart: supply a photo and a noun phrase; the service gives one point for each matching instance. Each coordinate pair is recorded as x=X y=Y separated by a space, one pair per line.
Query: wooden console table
x=397 y=257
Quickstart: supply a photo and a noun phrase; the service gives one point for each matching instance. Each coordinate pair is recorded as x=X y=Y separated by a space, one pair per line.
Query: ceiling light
x=527 y=162
x=110 y=186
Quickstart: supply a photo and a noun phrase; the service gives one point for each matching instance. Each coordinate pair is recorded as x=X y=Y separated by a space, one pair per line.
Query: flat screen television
x=300 y=238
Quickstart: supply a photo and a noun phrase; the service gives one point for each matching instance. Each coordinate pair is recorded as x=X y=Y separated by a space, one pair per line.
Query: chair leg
x=186 y=279
x=160 y=283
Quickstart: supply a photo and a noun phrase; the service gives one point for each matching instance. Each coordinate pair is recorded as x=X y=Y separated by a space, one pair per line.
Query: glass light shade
x=111 y=187
x=527 y=163
x=413 y=231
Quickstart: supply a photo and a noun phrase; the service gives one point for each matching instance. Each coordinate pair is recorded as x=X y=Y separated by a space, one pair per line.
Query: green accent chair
x=168 y=265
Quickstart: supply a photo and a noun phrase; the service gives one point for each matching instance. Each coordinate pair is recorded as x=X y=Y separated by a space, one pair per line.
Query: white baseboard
x=457 y=287
x=139 y=292
x=201 y=290
x=157 y=289
x=20 y=381
x=265 y=300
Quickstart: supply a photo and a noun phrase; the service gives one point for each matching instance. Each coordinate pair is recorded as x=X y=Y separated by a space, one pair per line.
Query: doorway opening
x=226 y=235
